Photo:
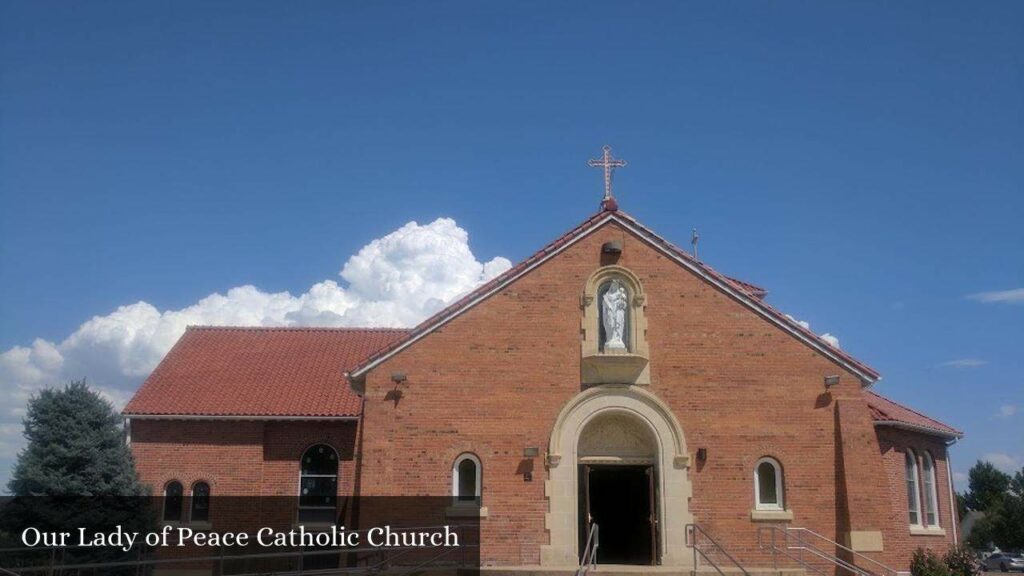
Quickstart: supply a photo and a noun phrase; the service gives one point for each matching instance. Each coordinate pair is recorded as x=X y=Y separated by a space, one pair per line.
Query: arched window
x=913 y=489
x=173 y=501
x=200 y=508
x=467 y=480
x=931 y=506
x=318 y=484
x=613 y=307
x=768 y=488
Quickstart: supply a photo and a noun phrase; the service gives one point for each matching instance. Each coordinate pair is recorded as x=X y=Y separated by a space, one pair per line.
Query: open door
x=585 y=517
x=652 y=505
x=620 y=500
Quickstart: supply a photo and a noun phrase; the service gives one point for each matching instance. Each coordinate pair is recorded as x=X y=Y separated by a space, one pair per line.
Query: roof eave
x=237 y=417
x=922 y=429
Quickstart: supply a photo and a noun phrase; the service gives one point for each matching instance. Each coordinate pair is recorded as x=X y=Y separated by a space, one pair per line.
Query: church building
x=611 y=378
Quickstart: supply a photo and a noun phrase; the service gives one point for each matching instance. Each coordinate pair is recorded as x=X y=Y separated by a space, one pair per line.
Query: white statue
x=613 y=312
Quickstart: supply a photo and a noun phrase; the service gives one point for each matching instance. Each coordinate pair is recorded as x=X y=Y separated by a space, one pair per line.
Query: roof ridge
x=603 y=216
x=203 y=327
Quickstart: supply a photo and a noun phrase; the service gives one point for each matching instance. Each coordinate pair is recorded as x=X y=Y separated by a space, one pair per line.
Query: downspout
x=952 y=496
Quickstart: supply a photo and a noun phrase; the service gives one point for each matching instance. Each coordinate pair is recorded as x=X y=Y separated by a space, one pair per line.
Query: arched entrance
x=617 y=475
x=618 y=442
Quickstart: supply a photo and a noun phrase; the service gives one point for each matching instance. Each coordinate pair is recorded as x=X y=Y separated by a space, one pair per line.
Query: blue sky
x=864 y=161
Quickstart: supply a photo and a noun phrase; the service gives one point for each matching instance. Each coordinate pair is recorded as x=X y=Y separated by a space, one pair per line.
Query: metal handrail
x=803 y=544
x=886 y=569
x=785 y=552
x=589 y=557
x=692 y=531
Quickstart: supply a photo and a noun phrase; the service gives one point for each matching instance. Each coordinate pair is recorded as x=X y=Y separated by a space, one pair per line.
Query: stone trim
x=632 y=366
x=771 y=515
x=864 y=541
x=671 y=462
x=929 y=531
x=466 y=512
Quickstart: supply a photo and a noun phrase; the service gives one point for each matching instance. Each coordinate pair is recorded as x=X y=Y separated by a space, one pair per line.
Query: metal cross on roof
x=609 y=164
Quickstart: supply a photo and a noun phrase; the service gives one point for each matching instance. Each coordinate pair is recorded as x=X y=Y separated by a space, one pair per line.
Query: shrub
x=961 y=561
x=927 y=563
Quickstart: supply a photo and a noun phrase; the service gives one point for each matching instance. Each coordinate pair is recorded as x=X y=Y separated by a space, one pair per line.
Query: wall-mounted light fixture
x=831 y=381
x=398 y=377
x=531 y=452
x=702 y=454
x=613 y=247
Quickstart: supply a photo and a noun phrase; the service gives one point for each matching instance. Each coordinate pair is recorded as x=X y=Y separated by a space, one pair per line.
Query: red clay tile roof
x=751 y=289
x=753 y=294
x=887 y=412
x=259 y=372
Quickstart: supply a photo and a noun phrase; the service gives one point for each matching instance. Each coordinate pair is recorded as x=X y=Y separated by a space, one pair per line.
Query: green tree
x=76 y=446
x=987 y=486
x=1001 y=497
x=1008 y=519
x=76 y=472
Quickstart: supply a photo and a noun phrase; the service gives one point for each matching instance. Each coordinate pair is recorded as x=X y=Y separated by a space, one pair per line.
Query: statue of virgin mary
x=613 y=315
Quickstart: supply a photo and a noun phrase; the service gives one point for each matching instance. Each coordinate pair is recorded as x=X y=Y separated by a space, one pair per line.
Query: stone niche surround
x=630 y=366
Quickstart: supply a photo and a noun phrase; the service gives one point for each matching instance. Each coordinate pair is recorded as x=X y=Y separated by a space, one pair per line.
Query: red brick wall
x=237 y=458
x=898 y=539
x=493 y=380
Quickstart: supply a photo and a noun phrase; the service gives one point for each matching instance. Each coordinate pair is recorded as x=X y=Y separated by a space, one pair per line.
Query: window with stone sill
x=467 y=480
x=768 y=487
x=913 y=488
x=931 y=501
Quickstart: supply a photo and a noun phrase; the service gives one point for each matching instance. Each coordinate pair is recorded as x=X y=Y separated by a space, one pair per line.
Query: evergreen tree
x=76 y=472
x=76 y=446
x=987 y=486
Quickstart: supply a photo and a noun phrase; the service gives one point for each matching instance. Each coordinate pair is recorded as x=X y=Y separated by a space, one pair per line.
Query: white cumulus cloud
x=832 y=341
x=397 y=281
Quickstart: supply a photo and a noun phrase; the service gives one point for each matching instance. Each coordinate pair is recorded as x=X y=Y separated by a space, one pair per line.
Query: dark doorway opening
x=620 y=499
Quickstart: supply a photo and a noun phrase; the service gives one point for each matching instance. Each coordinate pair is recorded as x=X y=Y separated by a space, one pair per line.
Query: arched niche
x=613 y=365
x=608 y=423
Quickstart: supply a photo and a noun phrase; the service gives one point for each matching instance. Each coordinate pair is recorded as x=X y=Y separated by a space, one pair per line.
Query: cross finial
x=608 y=164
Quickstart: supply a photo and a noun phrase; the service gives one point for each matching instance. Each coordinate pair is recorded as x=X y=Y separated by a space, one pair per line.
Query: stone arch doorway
x=617 y=472
x=626 y=427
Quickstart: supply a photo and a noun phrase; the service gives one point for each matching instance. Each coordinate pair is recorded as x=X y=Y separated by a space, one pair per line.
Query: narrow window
x=931 y=512
x=172 y=501
x=768 y=488
x=466 y=480
x=913 y=490
x=200 y=511
x=318 y=484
